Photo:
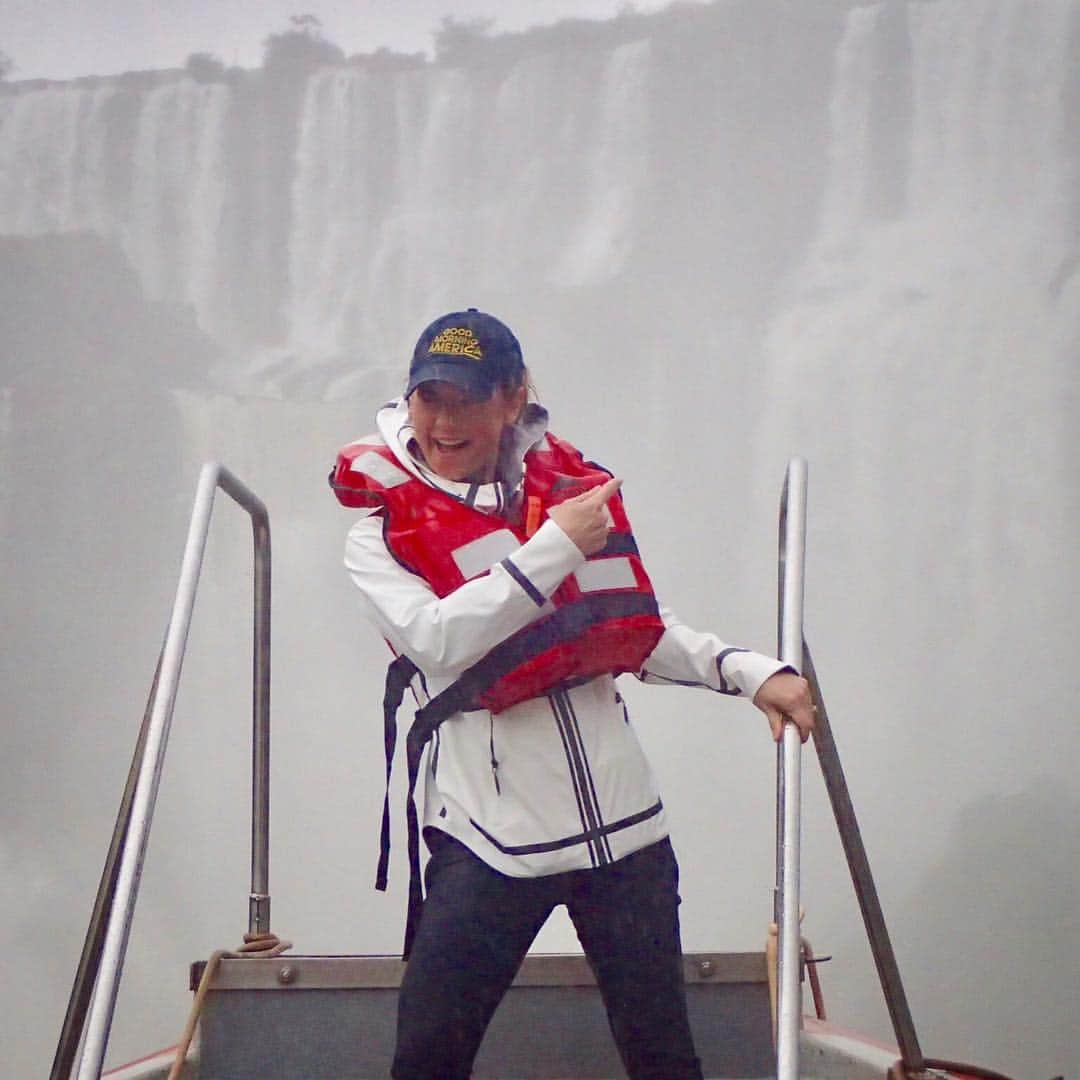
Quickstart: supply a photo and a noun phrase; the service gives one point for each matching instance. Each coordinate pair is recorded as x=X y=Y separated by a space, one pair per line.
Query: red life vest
x=602 y=619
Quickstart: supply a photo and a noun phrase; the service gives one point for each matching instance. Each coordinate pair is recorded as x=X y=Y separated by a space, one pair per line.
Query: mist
x=725 y=234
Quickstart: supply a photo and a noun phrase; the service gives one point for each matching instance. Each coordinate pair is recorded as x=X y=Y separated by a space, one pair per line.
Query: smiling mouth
x=448 y=446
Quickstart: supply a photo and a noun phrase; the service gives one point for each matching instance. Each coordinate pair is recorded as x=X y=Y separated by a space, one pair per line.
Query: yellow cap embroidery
x=457 y=341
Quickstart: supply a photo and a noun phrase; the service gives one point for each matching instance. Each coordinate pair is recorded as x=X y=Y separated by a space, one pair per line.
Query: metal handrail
x=90 y=958
x=788 y=774
x=116 y=908
x=794 y=650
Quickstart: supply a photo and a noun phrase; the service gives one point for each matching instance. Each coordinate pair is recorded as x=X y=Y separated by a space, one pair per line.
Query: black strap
x=562 y=625
x=398 y=676
x=423 y=727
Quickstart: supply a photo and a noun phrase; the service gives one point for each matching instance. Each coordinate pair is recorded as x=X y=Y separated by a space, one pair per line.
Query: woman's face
x=458 y=435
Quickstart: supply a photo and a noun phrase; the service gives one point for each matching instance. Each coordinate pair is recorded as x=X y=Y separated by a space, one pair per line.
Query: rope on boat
x=256 y=946
x=811 y=961
x=808 y=959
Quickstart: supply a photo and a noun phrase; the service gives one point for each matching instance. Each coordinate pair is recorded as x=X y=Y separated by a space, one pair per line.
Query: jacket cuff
x=545 y=560
x=748 y=670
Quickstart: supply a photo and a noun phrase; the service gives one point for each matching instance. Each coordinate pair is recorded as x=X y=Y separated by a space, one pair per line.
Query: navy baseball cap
x=470 y=349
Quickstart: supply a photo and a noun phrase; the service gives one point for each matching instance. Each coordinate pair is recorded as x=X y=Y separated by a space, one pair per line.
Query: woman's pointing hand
x=585 y=519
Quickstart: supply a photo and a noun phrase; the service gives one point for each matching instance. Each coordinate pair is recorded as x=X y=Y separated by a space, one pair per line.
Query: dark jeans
x=478 y=924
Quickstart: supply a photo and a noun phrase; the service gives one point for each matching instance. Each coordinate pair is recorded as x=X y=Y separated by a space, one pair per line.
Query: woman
x=500 y=568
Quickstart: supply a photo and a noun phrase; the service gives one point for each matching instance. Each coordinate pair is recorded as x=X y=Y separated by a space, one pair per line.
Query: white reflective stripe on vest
x=378 y=468
x=483 y=553
x=600 y=574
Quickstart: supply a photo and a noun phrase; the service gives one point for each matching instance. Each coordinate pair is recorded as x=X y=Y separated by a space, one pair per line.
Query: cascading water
x=455 y=178
x=725 y=233
x=959 y=292
x=69 y=166
x=178 y=183
x=53 y=170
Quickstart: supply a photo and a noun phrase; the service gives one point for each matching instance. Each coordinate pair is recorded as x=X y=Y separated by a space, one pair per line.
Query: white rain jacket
x=558 y=782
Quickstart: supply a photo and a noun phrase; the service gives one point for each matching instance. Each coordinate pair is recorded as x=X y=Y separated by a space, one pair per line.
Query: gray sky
x=63 y=39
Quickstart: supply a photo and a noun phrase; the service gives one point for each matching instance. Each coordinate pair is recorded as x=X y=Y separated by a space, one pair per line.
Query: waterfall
x=333 y=205
x=171 y=230
x=393 y=186
x=616 y=170
x=962 y=296
x=53 y=168
x=65 y=168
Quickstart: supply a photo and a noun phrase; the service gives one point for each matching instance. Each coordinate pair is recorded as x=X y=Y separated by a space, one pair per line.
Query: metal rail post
x=90 y=959
x=788 y=779
x=877 y=932
x=122 y=905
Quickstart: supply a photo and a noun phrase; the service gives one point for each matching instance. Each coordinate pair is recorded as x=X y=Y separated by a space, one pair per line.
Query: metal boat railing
x=788 y=776
x=794 y=650
x=97 y=980
x=98 y=977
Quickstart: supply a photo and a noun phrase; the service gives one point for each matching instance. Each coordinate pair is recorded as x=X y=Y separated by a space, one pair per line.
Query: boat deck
x=334 y=1016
